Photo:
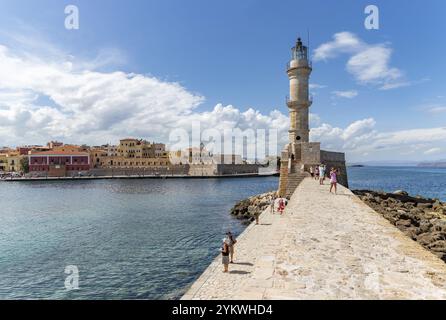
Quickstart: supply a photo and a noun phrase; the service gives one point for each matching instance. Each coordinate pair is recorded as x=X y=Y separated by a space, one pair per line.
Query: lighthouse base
x=296 y=160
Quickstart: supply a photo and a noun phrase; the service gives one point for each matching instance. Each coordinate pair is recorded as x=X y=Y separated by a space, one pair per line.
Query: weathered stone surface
x=326 y=247
x=248 y=209
x=421 y=219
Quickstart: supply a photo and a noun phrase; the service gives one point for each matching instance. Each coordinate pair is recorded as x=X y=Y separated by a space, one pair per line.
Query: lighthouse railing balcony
x=288 y=100
x=288 y=65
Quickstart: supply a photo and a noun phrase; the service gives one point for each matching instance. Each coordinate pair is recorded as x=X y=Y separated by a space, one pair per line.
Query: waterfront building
x=202 y=156
x=10 y=161
x=111 y=151
x=14 y=162
x=132 y=154
x=300 y=154
x=59 y=163
x=202 y=162
x=3 y=162
x=135 y=148
x=97 y=154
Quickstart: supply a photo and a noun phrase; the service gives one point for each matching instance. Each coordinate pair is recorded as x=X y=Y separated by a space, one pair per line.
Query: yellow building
x=11 y=162
x=3 y=162
x=132 y=154
x=97 y=156
x=135 y=148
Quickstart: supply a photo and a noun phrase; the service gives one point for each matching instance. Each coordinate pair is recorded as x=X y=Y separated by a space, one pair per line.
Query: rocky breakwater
x=422 y=219
x=246 y=210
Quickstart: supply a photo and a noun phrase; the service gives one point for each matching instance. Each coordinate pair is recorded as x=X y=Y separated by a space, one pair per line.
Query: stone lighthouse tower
x=299 y=102
x=300 y=154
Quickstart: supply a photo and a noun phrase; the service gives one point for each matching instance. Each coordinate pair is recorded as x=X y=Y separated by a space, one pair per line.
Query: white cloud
x=368 y=63
x=60 y=98
x=343 y=42
x=361 y=138
x=433 y=151
x=350 y=94
x=437 y=109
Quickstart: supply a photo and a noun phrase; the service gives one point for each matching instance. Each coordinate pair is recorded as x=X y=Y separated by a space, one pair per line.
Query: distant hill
x=434 y=164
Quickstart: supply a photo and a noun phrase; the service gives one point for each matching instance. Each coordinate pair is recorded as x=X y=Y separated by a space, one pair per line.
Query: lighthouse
x=299 y=155
x=299 y=101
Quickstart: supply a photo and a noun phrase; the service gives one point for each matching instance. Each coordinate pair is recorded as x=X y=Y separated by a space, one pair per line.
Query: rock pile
x=247 y=209
x=423 y=220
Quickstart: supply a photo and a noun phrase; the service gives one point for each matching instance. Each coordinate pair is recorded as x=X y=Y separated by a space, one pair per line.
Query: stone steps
x=294 y=179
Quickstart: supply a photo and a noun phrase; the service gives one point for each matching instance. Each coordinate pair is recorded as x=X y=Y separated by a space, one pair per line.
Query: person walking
x=321 y=174
x=312 y=171
x=333 y=179
x=225 y=255
x=316 y=173
x=231 y=243
x=257 y=217
x=281 y=206
x=272 y=204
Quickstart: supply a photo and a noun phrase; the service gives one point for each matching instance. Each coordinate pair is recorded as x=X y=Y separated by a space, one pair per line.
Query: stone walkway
x=324 y=247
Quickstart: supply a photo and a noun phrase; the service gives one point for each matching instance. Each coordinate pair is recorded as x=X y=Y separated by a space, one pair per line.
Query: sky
x=143 y=68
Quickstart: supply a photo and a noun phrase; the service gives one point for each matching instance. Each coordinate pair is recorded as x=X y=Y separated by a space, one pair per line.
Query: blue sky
x=234 y=53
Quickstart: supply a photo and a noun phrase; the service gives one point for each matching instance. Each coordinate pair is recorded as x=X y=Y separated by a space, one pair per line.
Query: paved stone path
x=324 y=247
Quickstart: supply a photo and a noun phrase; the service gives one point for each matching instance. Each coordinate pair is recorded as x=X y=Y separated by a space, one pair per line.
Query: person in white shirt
x=321 y=174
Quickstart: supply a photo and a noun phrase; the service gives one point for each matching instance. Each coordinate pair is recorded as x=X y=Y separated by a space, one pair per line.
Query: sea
x=138 y=239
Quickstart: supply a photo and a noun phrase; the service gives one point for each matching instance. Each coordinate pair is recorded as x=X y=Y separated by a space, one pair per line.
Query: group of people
x=317 y=172
x=227 y=250
x=277 y=204
x=320 y=173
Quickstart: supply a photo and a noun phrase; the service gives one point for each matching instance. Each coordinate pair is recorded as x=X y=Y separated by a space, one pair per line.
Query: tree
x=24 y=163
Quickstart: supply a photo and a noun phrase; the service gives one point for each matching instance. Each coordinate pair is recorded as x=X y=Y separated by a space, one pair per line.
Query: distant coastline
x=439 y=164
x=421 y=164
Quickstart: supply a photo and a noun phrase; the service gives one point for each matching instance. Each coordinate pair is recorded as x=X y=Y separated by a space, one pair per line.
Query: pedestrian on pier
x=257 y=217
x=312 y=171
x=281 y=205
x=316 y=173
x=231 y=242
x=272 y=204
x=333 y=179
x=321 y=174
x=225 y=255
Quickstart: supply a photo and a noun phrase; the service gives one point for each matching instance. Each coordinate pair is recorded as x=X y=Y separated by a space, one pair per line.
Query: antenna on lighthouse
x=308 y=41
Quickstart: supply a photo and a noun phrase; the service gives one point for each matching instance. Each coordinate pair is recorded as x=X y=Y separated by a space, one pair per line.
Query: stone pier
x=325 y=246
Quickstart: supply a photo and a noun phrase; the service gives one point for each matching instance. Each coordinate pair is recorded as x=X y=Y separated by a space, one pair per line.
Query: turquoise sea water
x=138 y=239
x=130 y=239
x=427 y=182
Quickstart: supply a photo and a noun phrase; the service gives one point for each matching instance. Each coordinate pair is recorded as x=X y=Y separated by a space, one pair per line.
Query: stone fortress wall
x=335 y=160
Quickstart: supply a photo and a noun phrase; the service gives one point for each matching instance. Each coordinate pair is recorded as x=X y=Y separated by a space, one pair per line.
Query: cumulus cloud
x=361 y=139
x=368 y=63
x=60 y=99
x=66 y=99
x=343 y=42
